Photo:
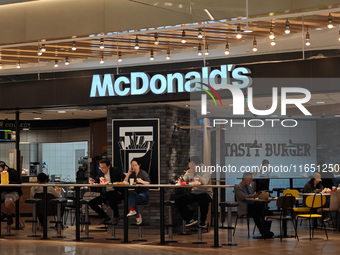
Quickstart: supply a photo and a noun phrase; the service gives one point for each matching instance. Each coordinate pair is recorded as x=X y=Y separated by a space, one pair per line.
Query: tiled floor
x=21 y=244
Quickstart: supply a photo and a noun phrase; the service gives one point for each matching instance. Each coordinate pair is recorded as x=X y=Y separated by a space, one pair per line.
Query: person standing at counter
x=313 y=185
x=198 y=194
x=114 y=196
x=255 y=210
x=140 y=195
x=8 y=194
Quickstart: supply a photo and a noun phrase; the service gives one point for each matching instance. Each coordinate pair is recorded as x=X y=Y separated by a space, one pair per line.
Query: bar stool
x=229 y=205
x=184 y=229
x=199 y=232
x=140 y=226
x=169 y=205
x=59 y=221
x=34 y=221
x=8 y=225
x=86 y=221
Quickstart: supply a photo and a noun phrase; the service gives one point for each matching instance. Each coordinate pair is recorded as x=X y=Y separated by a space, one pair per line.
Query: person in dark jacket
x=10 y=194
x=113 y=196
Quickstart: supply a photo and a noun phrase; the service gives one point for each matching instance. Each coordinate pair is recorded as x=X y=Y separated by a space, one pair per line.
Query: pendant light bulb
x=287 y=30
x=101 y=44
x=152 y=57
x=183 y=37
x=56 y=63
x=200 y=36
x=74 y=47
x=254 y=45
x=156 y=42
x=101 y=60
x=199 y=50
x=66 y=61
x=330 y=21
x=307 y=43
x=136 y=44
x=119 y=57
x=273 y=43
x=18 y=65
x=226 y=51
x=238 y=31
x=167 y=54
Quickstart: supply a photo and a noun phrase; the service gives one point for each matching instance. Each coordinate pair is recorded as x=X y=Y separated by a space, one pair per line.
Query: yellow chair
x=295 y=193
x=314 y=202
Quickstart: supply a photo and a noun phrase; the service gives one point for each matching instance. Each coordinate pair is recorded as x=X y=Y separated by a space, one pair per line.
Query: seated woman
x=313 y=185
x=140 y=195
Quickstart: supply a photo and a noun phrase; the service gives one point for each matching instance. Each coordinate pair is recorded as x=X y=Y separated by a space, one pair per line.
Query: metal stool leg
x=230 y=229
x=199 y=234
x=170 y=227
x=34 y=221
x=87 y=223
x=59 y=222
x=113 y=229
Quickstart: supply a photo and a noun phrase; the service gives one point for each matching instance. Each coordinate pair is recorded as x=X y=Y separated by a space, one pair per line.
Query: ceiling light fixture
x=255 y=146
x=152 y=57
x=183 y=37
x=43 y=48
x=307 y=43
x=199 y=50
x=206 y=50
x=18 y=65
x=66 y=61
x=136 y=43
x=39 y=51
x=273 y=43
x=330 y=21
x=167 y=54
x=226 y=51
x=200 y=36
x=287 y=30
x=56 y=63
x=74 y=47
x=254 y=45
x=238 y=32
x=101 y=60
x=156 y=42
x=120 y=57
x=0 y=65
x=271 y=32
x=290 y=146
x=101 y=46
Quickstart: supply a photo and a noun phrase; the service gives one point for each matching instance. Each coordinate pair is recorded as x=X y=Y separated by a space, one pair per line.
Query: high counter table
x=161 y=187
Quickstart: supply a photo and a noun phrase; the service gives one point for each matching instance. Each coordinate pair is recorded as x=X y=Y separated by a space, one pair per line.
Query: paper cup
x=131 y=181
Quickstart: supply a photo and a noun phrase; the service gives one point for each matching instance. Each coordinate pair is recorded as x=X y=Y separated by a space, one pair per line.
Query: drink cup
x=197 y=179
x=132 y=180
x=333 y=188
x=102 y=180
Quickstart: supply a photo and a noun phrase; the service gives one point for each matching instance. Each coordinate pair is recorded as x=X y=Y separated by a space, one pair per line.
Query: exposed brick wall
x=174 y=146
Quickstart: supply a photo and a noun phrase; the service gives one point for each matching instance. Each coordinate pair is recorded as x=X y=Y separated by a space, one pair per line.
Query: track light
x=238 y=32
x=56 y=63
x=226 y=51
x=167 y=54
x=152 y=57
x=120 y=57
x=271 y=33
x=206 y=50
x=101 y=46
x=199 y=50
x=74 y=47
x=330 y=21
x=43 y=48
x=101 y=60
x=66 y=61
x=18 y=65
x=200 y=36
x=307 y=43
x=183 y=37
x=287 y=30
x=156 y=42
x=254 y=45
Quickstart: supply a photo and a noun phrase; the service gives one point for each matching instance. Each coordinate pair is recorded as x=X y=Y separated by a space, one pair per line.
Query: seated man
x=55 y=192
x=256 y=210
x=113 y=196
x=8 y=194
x=198 y=194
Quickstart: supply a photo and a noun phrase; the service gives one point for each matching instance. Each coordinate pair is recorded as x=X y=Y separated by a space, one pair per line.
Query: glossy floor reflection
x=21 y=244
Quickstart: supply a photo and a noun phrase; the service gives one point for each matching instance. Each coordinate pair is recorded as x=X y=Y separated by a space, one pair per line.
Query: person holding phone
x=139 y=195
